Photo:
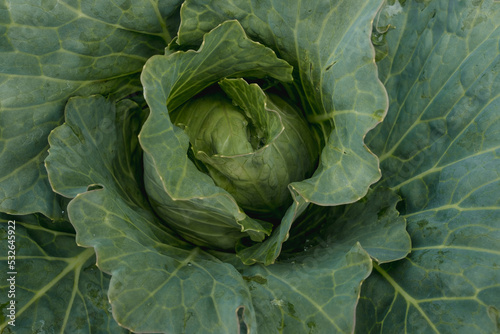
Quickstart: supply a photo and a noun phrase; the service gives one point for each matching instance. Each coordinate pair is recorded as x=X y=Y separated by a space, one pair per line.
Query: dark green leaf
x=314 y=292
x=439 y=148
x=52 y=50
x=58 y=288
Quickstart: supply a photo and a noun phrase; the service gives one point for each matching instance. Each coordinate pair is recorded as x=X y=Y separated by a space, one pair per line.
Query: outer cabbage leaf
x=159 y=283
x=51 y=50
x=373 y=221
x=314 y=285
x=181 y=193
x=316 y=292
x=327 y=43
x=439 y=148
x=58 y=286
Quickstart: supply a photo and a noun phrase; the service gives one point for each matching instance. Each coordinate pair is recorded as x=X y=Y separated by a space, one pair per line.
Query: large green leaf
x=51 y=50
x=159 y=283
x=439 y=148
x=316 y=292
x=373 y=221
x=314 y=286
x=58 y=288
x=328 y=44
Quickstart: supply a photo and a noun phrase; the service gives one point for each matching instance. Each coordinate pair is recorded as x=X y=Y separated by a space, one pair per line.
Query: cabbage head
x=252 y=147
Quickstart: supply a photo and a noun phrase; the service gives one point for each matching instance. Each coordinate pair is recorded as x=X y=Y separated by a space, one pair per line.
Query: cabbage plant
x=245 y=166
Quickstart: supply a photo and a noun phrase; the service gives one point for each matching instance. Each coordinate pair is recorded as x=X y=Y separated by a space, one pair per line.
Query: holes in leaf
x=240 y=313
x=94 y=187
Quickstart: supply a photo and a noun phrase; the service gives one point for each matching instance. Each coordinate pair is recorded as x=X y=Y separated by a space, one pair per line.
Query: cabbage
x=250 y=166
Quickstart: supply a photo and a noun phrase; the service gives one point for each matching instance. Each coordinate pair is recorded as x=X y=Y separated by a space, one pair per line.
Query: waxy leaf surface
x=48 y=264
x=50 y=51
x=439 y=149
